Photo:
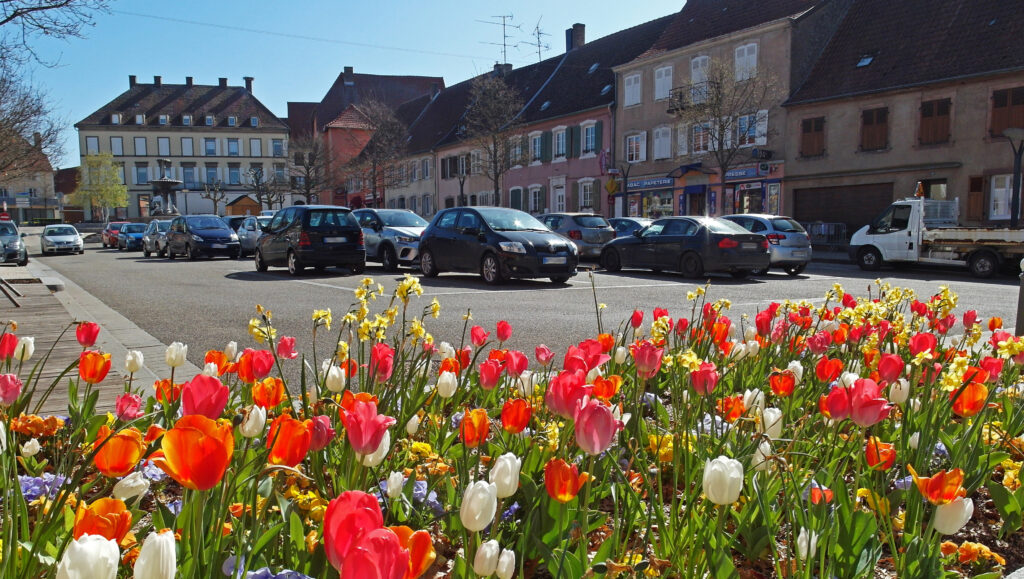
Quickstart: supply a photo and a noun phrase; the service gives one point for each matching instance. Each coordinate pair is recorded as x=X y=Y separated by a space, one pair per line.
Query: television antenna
x=538 y=43
x=505 y=23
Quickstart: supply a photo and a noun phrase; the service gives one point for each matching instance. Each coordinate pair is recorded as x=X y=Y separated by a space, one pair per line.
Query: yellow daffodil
x=435 y=308
x=322 y=318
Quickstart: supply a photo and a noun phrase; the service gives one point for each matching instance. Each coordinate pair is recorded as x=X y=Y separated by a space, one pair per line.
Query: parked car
x=392 y=236
x=320 y=236
x=627 y=225
x=195 y=235
x=249 y=232
x=154 y=240
x=12 y=244
x=268 y=213
x=589 y=232
x=130 y=236
x=234 y=221
x=109 y=235
x=691 y=245
x=788 y=242
x=497 y=242
x=60 y=238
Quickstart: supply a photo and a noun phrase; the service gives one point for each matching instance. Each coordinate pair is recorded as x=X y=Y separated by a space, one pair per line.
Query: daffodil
x=322 y=318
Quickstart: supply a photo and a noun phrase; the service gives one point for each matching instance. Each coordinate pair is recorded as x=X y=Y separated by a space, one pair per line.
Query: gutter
x=880 y=171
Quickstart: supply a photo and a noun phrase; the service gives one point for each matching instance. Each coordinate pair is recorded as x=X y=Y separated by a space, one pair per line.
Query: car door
x=641 y=254
x=372 y=227
x=676 y=237
x=275 y=247
x=467 y=248
x=175 y=236
x=442 y=239
x=892 y=233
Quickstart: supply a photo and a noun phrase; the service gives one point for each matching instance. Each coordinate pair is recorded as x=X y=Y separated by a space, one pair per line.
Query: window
x=140 y=146
x=141 y=174
x=277 y=146
x=232 y=121
x=279 y=172
x=92 y=145
x=662 y=142
x=746 y=130
x=209 y=120
x=536 y=199
x=186 y=120
x=117 y=146
x=1007 y=110
x=586 y=195
x=662 y=82
x=414 y=171
x=682 y=140
x=701 y=137
x=413 y=201
x=589 y=138
x=699 y=79
x=515 y=151
x=254 y=121
x=115 y=119
x=140 y=119
x=234 y=175
x=935 y=122
x=633 y=93
x=210 y=147
x=211 y=174
x=536 y=141
x=476 y=163
x=427 y=207
x=812 y=137
x=255 y=148
x=162 y=119
x=163 y=146
x=425 y=168
x=120 y=174
x=746 y=61
x=999 y=200
x=636 y=148
x=186 y=147
x=874 y=131
x=232 y=147
x=560 y=143
x=188 y=176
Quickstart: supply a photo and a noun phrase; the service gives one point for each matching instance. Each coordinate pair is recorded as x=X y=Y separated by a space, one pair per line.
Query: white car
x=61 y=238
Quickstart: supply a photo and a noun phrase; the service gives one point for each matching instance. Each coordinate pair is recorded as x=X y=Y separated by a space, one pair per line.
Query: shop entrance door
x=696 y=204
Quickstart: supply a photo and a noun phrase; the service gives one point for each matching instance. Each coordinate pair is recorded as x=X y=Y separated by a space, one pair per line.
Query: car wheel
x=691 y=265
x=740 y=274
x=559 y=279
x=795 y=270
x=294 y=267
x=258 y=260
x=145 y=251
x=762 y=271
x=358 y=268
x=427 y=265
x=161 y=252
x=869 y=259
x=983 y=264
x=190 y=254
x=610 y=260
x=490 y=269
x=119 y=248
x=168 y=252
x=24 y=261
x=388 y=258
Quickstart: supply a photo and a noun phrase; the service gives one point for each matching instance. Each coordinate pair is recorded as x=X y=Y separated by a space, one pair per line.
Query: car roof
x=319 y=207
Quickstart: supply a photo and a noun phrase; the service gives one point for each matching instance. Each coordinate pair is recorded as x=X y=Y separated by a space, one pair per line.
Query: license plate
x=799 y=254
x=554 y=260
x=335 y=239
x=218 y=246
x=749 y=245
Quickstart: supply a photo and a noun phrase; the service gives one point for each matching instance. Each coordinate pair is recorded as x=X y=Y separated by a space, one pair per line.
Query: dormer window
x=115 y=119
x=254 y=121
x=140 y=119
x=163 y=119
x=232 y=121
x=186 y=120
x=209 y=120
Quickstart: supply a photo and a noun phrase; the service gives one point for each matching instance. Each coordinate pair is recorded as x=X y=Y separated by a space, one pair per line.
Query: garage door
x=854 y=205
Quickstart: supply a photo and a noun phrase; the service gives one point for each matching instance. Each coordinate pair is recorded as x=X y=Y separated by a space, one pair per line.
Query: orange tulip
x=563 y=481
x=93 y=366
x=879 y=455
x=154 y=432
x=167 y=391
x=474 y=428
x=108 y=518
x=942 y=487
x=117 y=453
x=515 y=415
x=289 y=440
x=607 y=342
x=995 y=323
x=348 y=399
x=606 y=388
x=731 y=407
x=421 y=550
x=224 y=366
x=197 y=451
x=268 y=393
x=449 y=365
x=782 y=382
x=971 y=399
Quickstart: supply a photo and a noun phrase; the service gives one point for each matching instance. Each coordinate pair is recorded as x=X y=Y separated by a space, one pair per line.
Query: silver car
x=588 y=231
x=788 y=242
x=60 y=238
x=154 y=240
x=250 y=230
x=391 y=236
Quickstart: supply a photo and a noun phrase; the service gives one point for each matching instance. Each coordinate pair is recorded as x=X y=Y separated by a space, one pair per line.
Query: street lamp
x=1016 y=138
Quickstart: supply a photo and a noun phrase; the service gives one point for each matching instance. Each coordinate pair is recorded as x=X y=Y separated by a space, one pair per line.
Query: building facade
x=28 y=194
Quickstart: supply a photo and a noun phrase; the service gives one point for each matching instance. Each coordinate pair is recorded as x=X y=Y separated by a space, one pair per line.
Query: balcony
x=691 y=95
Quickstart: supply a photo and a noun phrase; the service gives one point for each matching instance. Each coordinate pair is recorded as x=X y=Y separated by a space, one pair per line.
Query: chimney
x=579 y=37
x=347 y=76
x=248 y=83
x=188 y=81
x=37 y=139
x=158 y=81
x=502 y=69
x=222 y=82
x=131 y=81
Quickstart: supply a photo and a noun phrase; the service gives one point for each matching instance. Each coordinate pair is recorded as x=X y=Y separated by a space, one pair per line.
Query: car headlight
x=47 y=241
x=234 y=237
x=197 y=238
x=16 y=244
x=406 y=239
x=512 y=247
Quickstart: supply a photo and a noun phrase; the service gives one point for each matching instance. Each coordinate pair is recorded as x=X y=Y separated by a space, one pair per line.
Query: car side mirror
x=23 y=234
x=638 y=233
x=376 y=226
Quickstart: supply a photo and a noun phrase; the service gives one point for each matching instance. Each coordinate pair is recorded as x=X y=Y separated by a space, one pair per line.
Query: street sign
x=5 y=216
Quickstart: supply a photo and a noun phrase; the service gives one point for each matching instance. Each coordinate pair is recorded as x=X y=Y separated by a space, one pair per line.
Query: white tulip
x=486 y=561
x=479 y=504
x=89 y=557
x=505 y=474
x=131 y=487
x=445 y=350
x=446 y=384
x=175 y=354
x=377 y=456
x=413 y=426
x=738 y=351
x=133 y=361
x=915 y=404
x=335 y=379
x=753 y=348
x=624 y=417
x=753 y=399
x=506 y=564
x=915 y=439
x=231 y=351
x=847 y=379
x=157 y=558
x=806 y=544
x=593 y=374
x=30 y=448
x=772 y=423
x=951 y=517
x=211 y=369
x=723 y=480
x=254 y=421
x=395 y=483
x=899 y=391
x=761 y=454
x=749 y=334
x=25 y=348
x=3 y=437
x=524 y=385
x=797 y=369
x=620 y=355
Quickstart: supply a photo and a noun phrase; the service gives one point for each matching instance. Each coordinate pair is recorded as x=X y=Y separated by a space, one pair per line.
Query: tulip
x=771 y=420
x=108 y=518
x=10 y=388
x=479 y=503
x=25 y=348
x=705 y=379
x=335 y=379
x=847 y=379
x=506 y=564
x=86 y=333
x=286 y=348
x=446 y=350
x=204 y=395
x=879 y=455
x=544 y=355
x=268 y=392
x=128 y=406
x=565 y=392
x=952 y=516
x=994 y=367
x=379 y=554
x=753 y=399
x=8 y=342
x=636 y=319
x=797 y=369
x=395 y=483
x=289 y=440
x=167 y=391
x=254 y=365
x=30 y=448
x=486 y=561
x=890 y=366
x=620 y=355
x=762 y=454
x=505 y=474
x=474 y=427
x=504 y=331
x=595 y=427
x=782 y=382
x=447 y=383
x=969 y=400
x=3 y=437
x=478 y=336
x=323 y=433
x=827 y=369
x=157 y=558
x=806 y=544
x=899 y=391
x=647 y=358
x=117 y=453
x=347 y=519
x=253 y=422
x=131 y=487
x=490 y=374
x=377 y=456
x=93 y=366
x=175 y=354
x=563 y=481
x=942 y=487
x=723 y=480
x=413 y=426
x=365 y=428
x=421 y=550
x=197 y=451
x=382 y=362
x=516 y=363
x=515 y=415
x=863 y=403
x=133 y=361
x=922 y=342
x=914 y=440
x=89 y=557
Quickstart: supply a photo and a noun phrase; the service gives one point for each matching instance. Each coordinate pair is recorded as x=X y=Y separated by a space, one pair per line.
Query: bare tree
x=21 y=21
x=266 y=191
x=492 y=126
x=27 y=125
x=377 y=164
x=311 y=170
x=214 y=192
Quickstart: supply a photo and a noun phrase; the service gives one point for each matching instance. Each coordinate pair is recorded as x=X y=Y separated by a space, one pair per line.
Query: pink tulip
x=490 y=374
x=647 y=358
x=705 y=379
x=255 y=365
x=922 y=342
x=478 y=336
x=382 y=361
x=565 y=392
x=378 y=555
x=890 y=366
x=504 y=331
x=636 y=319
x=323 y=433
x=595 y=426
x=819 y=342
x=204 y=395
x=86 y=333
x=365 y=427
x=347 y=519
x=10 y=387
x=516 y=363
x=970 y=318
x=286 y=348
x=586 y=356
x=544 y=355
x=128 y=406
x=862 y=403
x=994 y=367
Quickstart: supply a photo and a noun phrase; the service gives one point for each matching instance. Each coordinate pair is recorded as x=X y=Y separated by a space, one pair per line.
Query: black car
x=497 y=242
x=627 y=225
x=195 y=235
x=691 y=245
x=320 y=236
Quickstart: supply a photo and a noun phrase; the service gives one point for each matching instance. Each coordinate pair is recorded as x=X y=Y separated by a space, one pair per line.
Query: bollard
x=1018 y=329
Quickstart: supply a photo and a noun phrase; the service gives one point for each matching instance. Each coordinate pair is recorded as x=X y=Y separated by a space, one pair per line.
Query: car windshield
x=787 y=225
x=264 y=220
x=330 y=218
x=60 y=231
x=207 y=223
x=402 y=219
x=591 y=221
x=510 y=220
x=134 y=228
x=8 y=229
x=163 y=225
x=722 y=226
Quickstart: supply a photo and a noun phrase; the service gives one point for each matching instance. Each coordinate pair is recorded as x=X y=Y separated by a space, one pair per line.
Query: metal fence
x=830 y=234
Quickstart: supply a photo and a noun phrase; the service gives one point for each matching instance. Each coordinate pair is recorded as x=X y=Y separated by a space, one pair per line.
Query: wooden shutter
x=598 y=136
x=682 y=140
x=545 y=146
x=575 y=141
x=976 y=198
x=596 y=192
x=573 y=201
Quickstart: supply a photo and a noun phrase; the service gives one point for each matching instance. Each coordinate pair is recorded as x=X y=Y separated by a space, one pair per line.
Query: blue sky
x=295 y=50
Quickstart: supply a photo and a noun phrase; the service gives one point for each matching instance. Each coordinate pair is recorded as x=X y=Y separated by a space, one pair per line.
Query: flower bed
x=867 y=435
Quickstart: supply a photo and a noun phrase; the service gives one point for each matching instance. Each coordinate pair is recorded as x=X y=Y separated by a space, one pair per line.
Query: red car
x=110 y=233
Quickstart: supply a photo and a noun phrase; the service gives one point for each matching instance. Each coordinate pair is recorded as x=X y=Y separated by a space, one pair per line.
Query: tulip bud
x=89 y=557
x=413 y=426
x=772 y=423
x=797 y=369
x=479 y=503
x=395 y=483
x=211 y=369
x=761 y=454
x=157 y=558
x=133 y=361
x=749 y=334
x=30 y=448
x=486 y=561
x=806 y=544
x=131 y=487
x=175 y=354
x=620 y=355
x=847 y=379
x=951 y=517
x=524 y=384
x=231 y=351
x=376 y=457
x=738 y=351
x=899 y=391
x=505 y=474
x=593 y=374
x=335 y=379
x=723 y=480
x=446 y=384
x=446 y=350
x=506 y=564
x=3 y=437
x=915 y=404
x=25 y=348
x=753 y=399
x=915 y=439
x=254 y=421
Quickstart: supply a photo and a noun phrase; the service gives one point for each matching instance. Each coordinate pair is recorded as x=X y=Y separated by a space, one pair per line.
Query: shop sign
x=652 y=183
x=744 y=173
x=749 y=186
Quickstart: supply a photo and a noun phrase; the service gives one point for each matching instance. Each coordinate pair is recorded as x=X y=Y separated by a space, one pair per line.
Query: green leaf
x=265 y=539
x=719 y=562
x=297 y=533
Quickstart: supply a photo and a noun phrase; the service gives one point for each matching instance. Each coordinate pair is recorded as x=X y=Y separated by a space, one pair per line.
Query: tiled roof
x=704 y=19
x=351 y=88
x=905 y=43
x=350 y=118
x=300 y=119
x=178 y=99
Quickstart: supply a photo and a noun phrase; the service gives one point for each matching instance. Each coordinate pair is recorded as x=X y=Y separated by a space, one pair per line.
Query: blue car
x=130 y=236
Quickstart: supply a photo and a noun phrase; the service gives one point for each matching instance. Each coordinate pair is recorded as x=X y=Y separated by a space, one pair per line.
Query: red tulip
x=474 y=427
x=93 y=366
x=515 y=415
x=971 y=399
x=286 y=348
x=862 y=403
x=323 y=433
x=565 y=391
x=365 y=428
x=586 y=356
x=563 y=481
x=382 y=362
x=289 y=440
x=516 y=363
x=87 y=333
x=255 y=365
x=636 y=319
x=357 y=543
x=478 y=336
x=994 y=367
x=8 y=342
x=705 y=379
x=490 y=374
x=782 y=382
x=970 y=318
x=681 y=325
x=923 y=342
x=827 y=369
x=879 y=455
x=819 y=342
x=763 y=322
x=647 y=358
x=595 y=426
x=204 y=395
x=504 y=331
x=543 y=353
x=378 y=555
x=890 y=366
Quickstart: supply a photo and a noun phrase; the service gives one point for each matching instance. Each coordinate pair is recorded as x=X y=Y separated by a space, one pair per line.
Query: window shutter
x=543 y=199
x=444 y=168
x=682 y=140
x=514 y=198
x=596 y=192
x=643 y=146
x=575 y=141
x=761 y=137
x=545 y=146
x=598 y=136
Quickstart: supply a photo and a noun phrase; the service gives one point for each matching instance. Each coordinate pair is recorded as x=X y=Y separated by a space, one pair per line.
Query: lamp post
x=1016 y=138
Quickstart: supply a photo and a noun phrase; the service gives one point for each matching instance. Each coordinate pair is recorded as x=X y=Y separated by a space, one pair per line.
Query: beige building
x=212 y=135
x=29 y=193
